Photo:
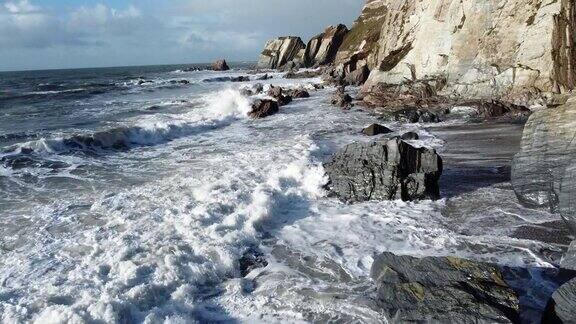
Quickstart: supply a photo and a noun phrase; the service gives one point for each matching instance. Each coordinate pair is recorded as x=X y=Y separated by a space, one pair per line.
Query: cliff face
x=280 y=51
x=513 y=49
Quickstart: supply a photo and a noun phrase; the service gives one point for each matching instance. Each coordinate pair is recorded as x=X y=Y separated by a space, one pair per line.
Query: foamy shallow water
x=146 y=220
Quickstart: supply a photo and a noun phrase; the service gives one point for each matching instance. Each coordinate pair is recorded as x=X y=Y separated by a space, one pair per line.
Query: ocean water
x=128 y=195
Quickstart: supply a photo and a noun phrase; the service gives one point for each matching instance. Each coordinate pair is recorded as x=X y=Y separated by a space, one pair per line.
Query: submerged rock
x=341 y=98
x=251 y=260
x=443 y=290
x=280 y=51
x=410 y=136
x=263 y=108
x=376 y=129
x=384 y=171
x=220 y=65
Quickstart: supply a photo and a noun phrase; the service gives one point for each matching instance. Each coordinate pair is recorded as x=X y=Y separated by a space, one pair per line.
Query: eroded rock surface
x=384 y=171
x=263 y=108
x=543 y=171
x=322 y=49
x=443 y=290
x=280 y=51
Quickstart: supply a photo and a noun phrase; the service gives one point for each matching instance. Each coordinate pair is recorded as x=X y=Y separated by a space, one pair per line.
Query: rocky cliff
x=278 y=52
x=514 y=50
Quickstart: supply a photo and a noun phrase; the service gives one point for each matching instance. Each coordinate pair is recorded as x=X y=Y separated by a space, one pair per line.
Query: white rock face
x=280 y=51
x=511 y=49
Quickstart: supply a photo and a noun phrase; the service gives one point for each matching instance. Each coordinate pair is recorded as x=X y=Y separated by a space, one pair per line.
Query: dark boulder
x=410 y=136
x=376 y=129
x=251 y=260
x=278 y=94
x=415 y=115
x=298 y=93
x=384 y=171
x=241 y=78
x=263 y=108
x=246 y=92
x=341 y=98
x=264 y=77
x=220 y=65
x=443 y=290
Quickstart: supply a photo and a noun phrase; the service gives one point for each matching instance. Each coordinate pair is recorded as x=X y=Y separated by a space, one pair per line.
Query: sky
x=47 y=34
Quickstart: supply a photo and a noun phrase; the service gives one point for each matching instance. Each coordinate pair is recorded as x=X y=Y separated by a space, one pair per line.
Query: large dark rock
x=410 y=136
x=220 y=65
x=384 y=171
x=278 y=94
x=376 y=129
x=263 y=108
x=543 y=172
x=562 y=306
x=443 y=290
x=357 y=77
x=322 y=49
x=251 y=259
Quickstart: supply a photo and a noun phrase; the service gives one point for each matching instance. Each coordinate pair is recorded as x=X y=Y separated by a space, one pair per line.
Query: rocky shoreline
x=431 y=62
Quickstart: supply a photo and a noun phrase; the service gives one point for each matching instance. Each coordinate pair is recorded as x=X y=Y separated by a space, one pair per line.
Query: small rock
x=263 y=108
x=415 y=115
x=376 y=129
x=220 y=65
x=264 y=77
x=252 y=259
x=341 y=99
x=410 y=136
x=275 y=92
x=241 y=78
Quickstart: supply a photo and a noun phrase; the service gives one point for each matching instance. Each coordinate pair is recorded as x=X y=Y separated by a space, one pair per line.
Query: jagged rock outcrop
x=322 y=49
x=278 y=52
x=384 y=171
x=263 y=108
x=543 y=172
x=518 y=50
x=220 y=65
x=443 y=290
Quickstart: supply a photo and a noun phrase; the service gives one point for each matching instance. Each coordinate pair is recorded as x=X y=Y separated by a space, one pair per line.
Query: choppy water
x=128 y=195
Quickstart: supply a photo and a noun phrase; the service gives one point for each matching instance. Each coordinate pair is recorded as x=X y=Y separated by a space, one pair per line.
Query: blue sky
x=42 y=34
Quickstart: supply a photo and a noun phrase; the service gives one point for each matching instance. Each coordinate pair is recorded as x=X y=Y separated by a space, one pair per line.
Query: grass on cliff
x=368 y=28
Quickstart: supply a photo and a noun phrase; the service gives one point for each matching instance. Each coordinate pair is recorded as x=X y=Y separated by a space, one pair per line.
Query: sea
x=136 y=195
